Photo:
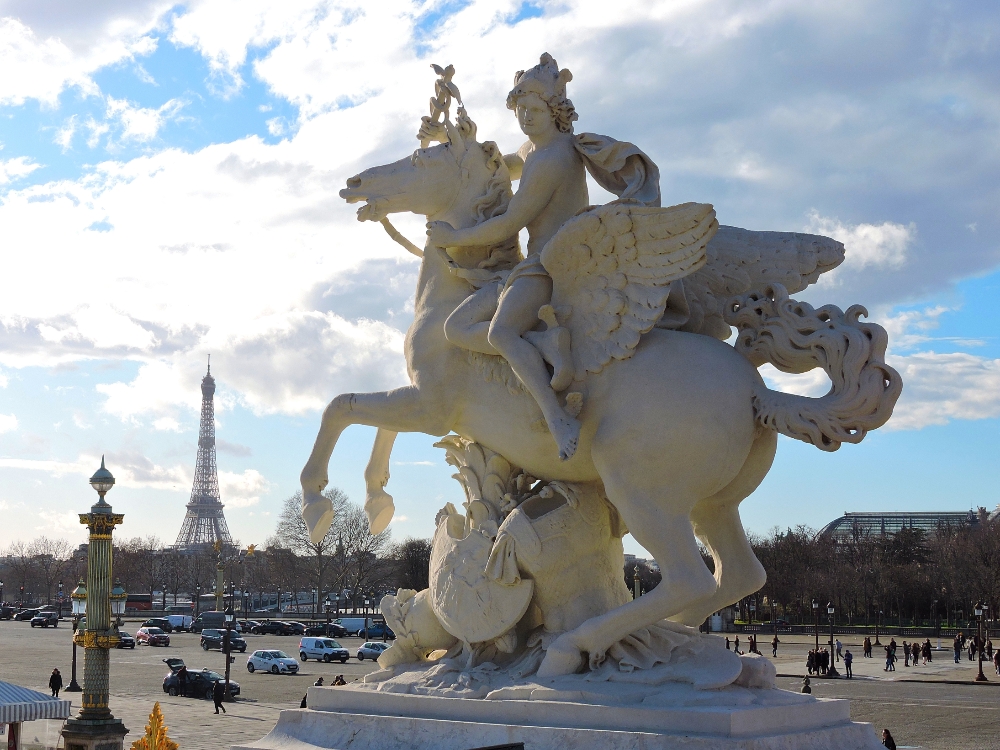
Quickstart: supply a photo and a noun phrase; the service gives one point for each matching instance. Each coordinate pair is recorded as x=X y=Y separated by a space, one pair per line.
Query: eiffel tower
x=204 y=524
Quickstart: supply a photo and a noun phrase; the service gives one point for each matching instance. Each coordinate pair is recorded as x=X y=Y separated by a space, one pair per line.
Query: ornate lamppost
x=1 y=593
x=96 y=727
x=59 y=598
x=831 y=670
x=816 y=618
x=981 y=610
x=79 y=601
x=227 y=645
x=878 y=618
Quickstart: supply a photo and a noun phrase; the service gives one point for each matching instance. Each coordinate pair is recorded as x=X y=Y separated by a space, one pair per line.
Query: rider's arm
x=538 y=182
x=515 y=162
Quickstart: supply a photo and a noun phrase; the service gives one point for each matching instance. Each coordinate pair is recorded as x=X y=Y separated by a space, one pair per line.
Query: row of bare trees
x=349 y=560
x=907 y=578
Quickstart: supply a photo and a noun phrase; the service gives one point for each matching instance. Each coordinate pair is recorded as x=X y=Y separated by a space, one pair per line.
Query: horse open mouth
x=353 y=193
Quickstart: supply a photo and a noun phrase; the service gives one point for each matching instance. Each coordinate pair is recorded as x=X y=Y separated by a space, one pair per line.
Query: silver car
x=371 y=650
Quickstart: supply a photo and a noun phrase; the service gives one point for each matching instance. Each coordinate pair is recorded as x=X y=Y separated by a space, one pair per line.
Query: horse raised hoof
x=561 y=658
x=317 y=512
x=379 y=508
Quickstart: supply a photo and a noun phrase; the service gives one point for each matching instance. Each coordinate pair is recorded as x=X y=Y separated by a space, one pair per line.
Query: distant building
x=877 y=524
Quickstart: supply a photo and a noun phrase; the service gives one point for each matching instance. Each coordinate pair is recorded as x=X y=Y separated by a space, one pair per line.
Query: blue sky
x=168 y=189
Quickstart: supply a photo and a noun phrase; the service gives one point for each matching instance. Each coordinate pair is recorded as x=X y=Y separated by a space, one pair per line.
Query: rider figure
x=551 y=168
x=553 y=188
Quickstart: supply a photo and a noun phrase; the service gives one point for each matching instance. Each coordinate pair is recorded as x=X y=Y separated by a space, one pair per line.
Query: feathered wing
x=613 y=266
x=740 y=260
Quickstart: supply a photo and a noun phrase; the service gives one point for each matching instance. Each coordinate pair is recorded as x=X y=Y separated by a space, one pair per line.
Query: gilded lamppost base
x=94 y=734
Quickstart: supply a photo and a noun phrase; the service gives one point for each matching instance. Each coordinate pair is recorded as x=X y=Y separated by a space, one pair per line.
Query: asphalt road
x=937 y=706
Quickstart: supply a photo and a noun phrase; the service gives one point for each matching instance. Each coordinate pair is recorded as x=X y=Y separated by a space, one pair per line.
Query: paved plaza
x=937 y=707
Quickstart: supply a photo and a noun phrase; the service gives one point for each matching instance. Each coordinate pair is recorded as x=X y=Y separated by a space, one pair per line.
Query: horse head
x=460 y=181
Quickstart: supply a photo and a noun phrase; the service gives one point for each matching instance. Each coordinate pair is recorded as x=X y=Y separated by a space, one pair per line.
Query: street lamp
x=1 y=593
x=118 y=599
x=878 y=618
x=831 y=670
x=79 y=602
x=227 y=645
x=980 y=610
x=816 y=618
x=197 y=600
x=60 y=598
x=753 y=608
x=327 y=606
x=95 y=726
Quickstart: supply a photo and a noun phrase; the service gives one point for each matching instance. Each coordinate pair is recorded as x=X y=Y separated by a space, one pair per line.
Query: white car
x=371 y=650
x=275 y=662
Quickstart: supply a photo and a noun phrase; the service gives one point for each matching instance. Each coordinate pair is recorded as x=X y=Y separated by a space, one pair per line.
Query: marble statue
x=587 y=390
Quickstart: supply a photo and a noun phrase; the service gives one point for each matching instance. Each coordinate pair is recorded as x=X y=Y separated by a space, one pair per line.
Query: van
x=356 y=625
x=209 y=620
x=326 y=649
x=179 y=622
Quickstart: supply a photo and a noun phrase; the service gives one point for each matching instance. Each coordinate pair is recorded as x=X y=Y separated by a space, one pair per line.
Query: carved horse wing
x=613 y=267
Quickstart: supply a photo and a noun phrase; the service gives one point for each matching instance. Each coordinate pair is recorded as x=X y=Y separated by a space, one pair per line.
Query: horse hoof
x=317 y=512
x=561 y=659
x=379 y=508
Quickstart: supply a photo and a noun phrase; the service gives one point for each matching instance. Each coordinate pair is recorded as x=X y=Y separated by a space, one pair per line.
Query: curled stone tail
x=796 y=338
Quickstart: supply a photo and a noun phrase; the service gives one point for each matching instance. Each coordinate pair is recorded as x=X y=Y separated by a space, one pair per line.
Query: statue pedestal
x=362 y=719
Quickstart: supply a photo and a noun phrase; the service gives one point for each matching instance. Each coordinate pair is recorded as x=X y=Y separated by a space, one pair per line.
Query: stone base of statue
x=94 y=734
x=350 y=718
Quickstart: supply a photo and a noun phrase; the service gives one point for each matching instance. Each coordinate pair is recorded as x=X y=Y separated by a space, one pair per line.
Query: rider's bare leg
x=401 y=410
x=378 y=503
x=517 y=314
x=469 y=325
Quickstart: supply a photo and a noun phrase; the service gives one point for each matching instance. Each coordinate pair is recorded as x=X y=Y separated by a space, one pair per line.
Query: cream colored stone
x=668 y=426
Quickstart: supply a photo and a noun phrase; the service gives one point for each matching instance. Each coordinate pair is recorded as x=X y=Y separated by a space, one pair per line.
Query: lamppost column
x=96 y=726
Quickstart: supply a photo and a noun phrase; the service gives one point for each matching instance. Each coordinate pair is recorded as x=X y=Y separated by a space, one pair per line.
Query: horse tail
x=796 y=338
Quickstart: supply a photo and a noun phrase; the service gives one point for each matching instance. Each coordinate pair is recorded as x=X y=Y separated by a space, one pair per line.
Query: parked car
x=296 y=628
x=6 y=613
x=26 y=614
x=151 y=637
x=125 y=640
x=249 y=625
x=212 y=638
x=200 y=682
x=326 y=649
x=379 y=629
x=275 y=662
x=336 y=631
x=159 y=622
x=357 y=625
x=371 y=650
x=180 y=622
x=273 y=627
x=44 y=619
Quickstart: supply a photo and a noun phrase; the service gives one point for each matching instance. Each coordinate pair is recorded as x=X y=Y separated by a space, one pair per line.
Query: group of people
x=818 y=661
x=751 y=645
x=972 y=647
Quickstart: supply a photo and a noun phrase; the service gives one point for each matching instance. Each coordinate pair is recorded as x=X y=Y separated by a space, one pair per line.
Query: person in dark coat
x=848 y=661
x=55 y=683
x=182 y=681
x=887 y=740
x=774 y=645
x=219 y=695
x=906 y=654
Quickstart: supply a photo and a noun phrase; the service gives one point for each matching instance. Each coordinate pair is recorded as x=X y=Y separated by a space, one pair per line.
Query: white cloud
x=939 y=388
x=141 y=123
x=167 y=424
x=16 y=168
x=876 y=246
x=8 y=423
x=243 y=490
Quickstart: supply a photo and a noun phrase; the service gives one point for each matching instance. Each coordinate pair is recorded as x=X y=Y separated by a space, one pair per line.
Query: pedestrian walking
x=848 y=660
x=866 y=650
x=55 y=683
x=736 y=645
x=906 y=654
x=890 y=658
x=958 y=648
x=219 y=694
x=925 y=652
x=774 y=645
x=839 y=654
x=811 y=662
x=989 y=649
x=887 y=740
x=727 y=643
x=996 y=661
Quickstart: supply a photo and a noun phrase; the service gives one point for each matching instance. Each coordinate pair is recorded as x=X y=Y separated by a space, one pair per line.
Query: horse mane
x=507 y=254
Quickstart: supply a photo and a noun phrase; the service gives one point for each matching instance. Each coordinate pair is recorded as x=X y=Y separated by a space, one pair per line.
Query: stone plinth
x=94 y=735
x=359 y=719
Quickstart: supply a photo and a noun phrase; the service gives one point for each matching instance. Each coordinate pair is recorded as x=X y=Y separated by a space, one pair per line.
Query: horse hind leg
x=662 y=525
x=717 y=524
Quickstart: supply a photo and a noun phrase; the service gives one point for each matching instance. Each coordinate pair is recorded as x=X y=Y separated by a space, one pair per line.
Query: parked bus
x=139 y=601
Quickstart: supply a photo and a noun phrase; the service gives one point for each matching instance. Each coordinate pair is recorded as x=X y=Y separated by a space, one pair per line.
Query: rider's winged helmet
x=546 y=80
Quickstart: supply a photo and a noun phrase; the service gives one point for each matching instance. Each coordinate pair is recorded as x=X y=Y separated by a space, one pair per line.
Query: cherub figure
x=553 y=188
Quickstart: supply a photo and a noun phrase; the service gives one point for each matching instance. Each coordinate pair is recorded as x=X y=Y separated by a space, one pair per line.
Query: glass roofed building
x=850 y=525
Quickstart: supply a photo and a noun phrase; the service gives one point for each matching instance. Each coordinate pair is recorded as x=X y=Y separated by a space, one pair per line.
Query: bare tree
x=51 y=557
x=413 y=559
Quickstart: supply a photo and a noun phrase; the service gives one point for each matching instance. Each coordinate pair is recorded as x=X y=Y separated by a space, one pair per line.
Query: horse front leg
x=378 y=503
x=400 y=410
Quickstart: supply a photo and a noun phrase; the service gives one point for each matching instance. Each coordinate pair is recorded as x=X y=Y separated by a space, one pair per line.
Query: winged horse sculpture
x=677 y=425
